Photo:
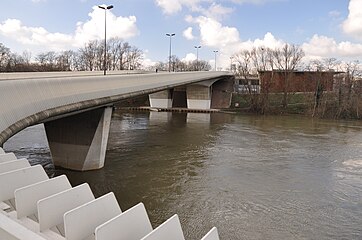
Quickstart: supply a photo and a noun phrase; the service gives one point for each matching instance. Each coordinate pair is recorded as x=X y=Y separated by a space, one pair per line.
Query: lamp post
x=231 y=64
x=169 y=57
x=105 y=8
x=215 y=51
x=197 y=57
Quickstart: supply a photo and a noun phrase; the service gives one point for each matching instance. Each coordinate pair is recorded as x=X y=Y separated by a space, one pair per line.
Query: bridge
x=76 y=108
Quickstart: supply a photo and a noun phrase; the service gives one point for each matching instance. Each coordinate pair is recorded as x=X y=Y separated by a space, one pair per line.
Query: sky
x=323 y=28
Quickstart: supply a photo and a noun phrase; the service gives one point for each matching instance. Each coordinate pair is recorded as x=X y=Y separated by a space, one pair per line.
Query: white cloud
x=227 y=40
x=353 y=24
x=188 y=34
x=212 y=10
x=15 y=30
x=322 y=46
x=216 y=11
x=174 y=6
x=189 y=57
x=122 y=27
x=213 y=34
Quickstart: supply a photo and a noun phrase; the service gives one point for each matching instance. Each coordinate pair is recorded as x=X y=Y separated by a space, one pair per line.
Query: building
x=298 y=81
x=249 y=85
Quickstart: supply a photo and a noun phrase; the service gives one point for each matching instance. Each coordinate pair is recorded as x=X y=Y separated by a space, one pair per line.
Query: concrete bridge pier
x=198 y=96
x=79 y=142
x=161 y=99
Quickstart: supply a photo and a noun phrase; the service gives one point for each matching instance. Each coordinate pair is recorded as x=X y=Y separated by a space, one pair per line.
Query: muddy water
x=252 y=177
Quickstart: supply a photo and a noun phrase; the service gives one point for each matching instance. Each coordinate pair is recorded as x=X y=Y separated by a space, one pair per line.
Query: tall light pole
x=231 y=64
x=197 y=56
x=169 y=57
x=105 y=8
x=215 y=51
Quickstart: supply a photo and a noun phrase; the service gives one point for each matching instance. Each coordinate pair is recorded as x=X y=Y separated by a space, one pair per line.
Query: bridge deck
x=31 y=98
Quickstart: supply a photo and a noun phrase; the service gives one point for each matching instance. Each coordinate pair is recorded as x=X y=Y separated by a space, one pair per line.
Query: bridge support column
x=198 y=97
x=161 y=99
x=79 y=142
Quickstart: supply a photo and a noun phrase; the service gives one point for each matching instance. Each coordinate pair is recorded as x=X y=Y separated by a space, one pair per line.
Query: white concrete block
x=160 y=103
x=11 y=230
x=52 y=208
x=212 y=235
x=26 y=198
x=171 y=229
x=10 y=181
x=133 y=224
x=82 y=221
x=198 y=104
x=14 y=165
x=6 y=157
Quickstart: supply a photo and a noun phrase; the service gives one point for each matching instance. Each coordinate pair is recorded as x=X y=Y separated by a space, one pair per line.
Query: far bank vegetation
x=332 y=88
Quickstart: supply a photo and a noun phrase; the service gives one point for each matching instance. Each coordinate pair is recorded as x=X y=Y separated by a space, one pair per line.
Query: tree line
x=120 y=56
x=343 y=102
x=178 y=65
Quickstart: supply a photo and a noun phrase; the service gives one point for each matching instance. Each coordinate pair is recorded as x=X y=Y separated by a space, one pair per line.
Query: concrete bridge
x=76 y=108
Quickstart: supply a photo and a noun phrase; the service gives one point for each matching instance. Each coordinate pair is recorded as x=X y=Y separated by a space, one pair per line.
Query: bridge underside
x=203 y=95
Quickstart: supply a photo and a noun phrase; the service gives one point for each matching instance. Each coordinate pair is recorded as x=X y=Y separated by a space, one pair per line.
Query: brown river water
x=252 y=177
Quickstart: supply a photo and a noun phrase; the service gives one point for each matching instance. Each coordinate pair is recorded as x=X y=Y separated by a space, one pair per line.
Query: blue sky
x=324 y=28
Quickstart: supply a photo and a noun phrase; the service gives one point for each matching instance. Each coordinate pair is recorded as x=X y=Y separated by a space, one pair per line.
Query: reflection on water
x=252 y=177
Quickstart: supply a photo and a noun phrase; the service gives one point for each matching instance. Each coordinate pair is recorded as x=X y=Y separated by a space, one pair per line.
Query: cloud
x=216 y=11
x=353 y=24
x=93 y=29
x=122 y=27
x=15 y=30
x=212 y=10
x=322 y=47
x=189 y=57
x=188 y=34
x=226 y=40
x=173 y=6
x=213 y=33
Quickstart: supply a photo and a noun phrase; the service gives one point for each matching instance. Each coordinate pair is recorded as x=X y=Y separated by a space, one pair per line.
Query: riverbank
x=329 y=106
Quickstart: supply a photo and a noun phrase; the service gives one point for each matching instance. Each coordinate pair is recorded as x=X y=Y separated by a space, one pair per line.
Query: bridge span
x=76 y=108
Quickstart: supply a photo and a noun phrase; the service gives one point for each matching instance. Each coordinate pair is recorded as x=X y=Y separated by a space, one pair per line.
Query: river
x=252 y=177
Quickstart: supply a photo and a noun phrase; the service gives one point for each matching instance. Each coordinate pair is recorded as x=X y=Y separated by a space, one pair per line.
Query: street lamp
x=169 y=58
x=231 y=63
x=197 y=57
x=105 y=8
x=215 y=51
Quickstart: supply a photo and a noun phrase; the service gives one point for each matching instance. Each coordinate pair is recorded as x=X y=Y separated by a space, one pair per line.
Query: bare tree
x=88 y=55
x=135 y=57
x=4 y=57
x=349 y=90
x=287 y=60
